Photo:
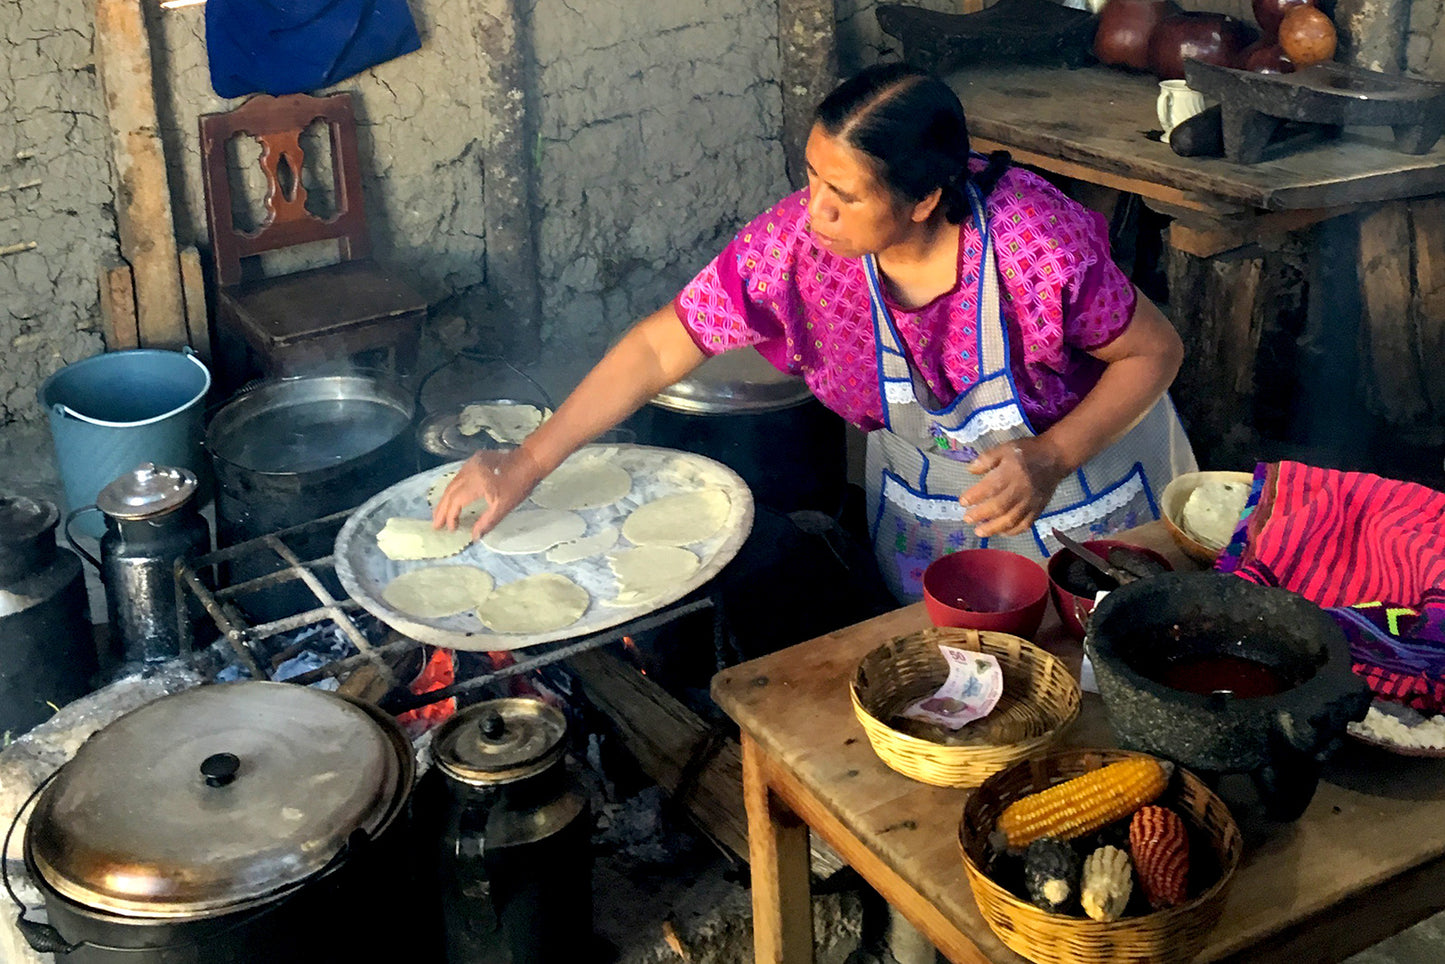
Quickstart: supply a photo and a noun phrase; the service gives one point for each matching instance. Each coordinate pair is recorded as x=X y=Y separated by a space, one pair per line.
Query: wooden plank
x=193 y=294
x=778 y=860
x=1205 y=239
x=117 y=308
x=142 y=194
x=1391 y=377
x=1427 y=223
x=1098 y=118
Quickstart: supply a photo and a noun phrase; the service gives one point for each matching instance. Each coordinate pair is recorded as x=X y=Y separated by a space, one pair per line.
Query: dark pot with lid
x=1225 y=676
x=513 y=836
x=765 y=425
x=232 y=823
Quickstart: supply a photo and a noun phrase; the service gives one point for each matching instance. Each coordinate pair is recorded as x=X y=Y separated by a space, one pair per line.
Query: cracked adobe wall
x=657 y=137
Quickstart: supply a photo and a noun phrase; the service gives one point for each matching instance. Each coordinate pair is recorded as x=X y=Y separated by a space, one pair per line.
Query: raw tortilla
x=588 y=484
x=436 y=591
x=1213 y=509
x=471 y=512
x=676 y=520
x=579 y=549
x=505 y=423
x=405 y=539
x=534 y=530
x=536 y=604
x=647 y=572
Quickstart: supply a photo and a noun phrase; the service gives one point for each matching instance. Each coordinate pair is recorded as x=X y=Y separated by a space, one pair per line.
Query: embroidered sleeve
x=744 y=296
x=1098 y=297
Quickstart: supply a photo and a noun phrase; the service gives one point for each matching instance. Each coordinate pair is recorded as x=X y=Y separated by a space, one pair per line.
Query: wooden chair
x=356 y=310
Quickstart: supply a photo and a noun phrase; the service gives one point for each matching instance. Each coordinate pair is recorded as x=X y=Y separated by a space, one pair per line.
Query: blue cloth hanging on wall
x=294 y=46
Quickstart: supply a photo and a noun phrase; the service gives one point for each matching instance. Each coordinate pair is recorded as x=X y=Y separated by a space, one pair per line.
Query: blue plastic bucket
x=112 y=412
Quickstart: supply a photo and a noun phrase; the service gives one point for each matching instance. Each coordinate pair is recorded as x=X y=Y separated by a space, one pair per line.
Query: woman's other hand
x=1019 y=479
x=504 y=479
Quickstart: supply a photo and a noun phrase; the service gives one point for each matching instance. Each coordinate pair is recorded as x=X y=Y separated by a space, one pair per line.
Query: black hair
x=912 y=125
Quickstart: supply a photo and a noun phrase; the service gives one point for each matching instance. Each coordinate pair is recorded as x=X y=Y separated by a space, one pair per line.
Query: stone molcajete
x=1224 y=676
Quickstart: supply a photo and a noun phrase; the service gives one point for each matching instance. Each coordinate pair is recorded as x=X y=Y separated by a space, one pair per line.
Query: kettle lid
x=145 y=491
x=23 y=520
x=500 y=741
x=214 y=798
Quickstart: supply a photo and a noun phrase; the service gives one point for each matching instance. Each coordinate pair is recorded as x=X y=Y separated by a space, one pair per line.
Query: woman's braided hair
x=912 y=125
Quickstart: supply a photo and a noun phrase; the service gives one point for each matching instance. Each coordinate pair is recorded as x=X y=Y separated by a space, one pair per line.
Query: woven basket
x=1040 y=697
x=1169 y=936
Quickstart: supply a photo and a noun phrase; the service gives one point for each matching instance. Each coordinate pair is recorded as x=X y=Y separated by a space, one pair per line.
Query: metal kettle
x=151 y=520
x=513 y=836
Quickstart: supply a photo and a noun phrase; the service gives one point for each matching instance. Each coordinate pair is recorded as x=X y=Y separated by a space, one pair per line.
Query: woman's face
x=850 y=211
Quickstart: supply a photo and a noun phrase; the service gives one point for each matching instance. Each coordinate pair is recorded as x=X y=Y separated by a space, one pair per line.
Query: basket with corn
x=1088 y=855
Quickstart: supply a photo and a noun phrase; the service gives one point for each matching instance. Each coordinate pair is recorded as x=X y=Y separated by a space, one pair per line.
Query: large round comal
x=228 y=823
x=1223 y=675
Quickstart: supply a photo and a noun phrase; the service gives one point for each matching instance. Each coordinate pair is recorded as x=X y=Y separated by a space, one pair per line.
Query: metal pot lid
x=211 y=798
x=735 y=382
x=145 y=491
x=25 y=520
x=500 y=741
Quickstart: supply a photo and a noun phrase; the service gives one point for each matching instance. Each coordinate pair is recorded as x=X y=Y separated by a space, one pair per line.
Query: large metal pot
x=225 y=824
x=766 y=426
x=296 y=449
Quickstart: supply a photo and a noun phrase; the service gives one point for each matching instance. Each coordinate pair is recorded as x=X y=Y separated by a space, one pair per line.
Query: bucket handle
x=65 y=411
x=69 y=518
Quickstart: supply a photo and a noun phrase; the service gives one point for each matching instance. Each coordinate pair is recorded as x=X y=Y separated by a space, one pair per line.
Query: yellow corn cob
x=1085 y=803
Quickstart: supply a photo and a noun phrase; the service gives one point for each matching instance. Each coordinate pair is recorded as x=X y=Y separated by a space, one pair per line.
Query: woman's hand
x=1019 y=479
x=504 y=479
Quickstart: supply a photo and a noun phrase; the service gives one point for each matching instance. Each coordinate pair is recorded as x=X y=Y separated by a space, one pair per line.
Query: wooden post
x=193 y=295
x=117 y=308
x=807 y=36
x=778 y=858
x=1393 y=385
x=142 y=194
x=1372 y=33
x=1427 y=222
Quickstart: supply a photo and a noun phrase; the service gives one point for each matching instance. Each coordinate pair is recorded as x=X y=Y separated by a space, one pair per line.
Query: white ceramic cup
x=1177 y=103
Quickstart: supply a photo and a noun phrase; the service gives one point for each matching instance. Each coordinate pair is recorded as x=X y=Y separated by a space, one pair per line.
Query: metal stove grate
x=242 y=637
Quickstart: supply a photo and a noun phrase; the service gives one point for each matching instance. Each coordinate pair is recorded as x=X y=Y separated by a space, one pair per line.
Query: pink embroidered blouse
x=807 y=310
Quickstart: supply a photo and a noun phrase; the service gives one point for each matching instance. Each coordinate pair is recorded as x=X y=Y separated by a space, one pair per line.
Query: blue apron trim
x=1135 y=476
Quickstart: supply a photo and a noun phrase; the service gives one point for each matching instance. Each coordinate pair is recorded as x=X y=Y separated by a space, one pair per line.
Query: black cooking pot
x=1225 y=676
x=764 y=425
x=295 y=449
x=226 y=824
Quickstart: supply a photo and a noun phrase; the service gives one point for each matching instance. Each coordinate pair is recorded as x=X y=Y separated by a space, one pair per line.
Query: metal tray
x=365 y=571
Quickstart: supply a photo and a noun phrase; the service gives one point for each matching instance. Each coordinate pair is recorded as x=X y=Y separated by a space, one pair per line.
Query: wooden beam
x=1207 y=238
x=1180 y=199
x=807 y=38
x=142 y=194
x=117 y=308
x=1427 y=223
x=1391 y=373
x=193 y=293
x=674 y=746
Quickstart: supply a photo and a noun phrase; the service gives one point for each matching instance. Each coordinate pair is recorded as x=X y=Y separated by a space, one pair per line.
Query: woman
x=961 y=311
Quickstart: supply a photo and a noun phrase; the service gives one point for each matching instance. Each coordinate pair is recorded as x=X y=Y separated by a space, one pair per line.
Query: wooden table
x=1093 y=125
x=1366 y=860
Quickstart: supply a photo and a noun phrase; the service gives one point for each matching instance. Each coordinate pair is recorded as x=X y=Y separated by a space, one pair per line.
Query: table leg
x=778 y=856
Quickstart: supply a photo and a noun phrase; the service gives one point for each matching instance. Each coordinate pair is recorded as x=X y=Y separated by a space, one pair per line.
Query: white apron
x=917 y=463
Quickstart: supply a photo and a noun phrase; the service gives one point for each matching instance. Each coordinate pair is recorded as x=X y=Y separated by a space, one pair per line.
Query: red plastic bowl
x=987 y=589
x=1073 y=608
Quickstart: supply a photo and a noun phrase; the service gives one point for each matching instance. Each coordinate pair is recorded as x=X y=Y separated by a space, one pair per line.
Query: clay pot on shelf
x=1211 y=37
x=1122 y=37
x=1307 y=36
x=1269 y=13
x=1264 y=57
